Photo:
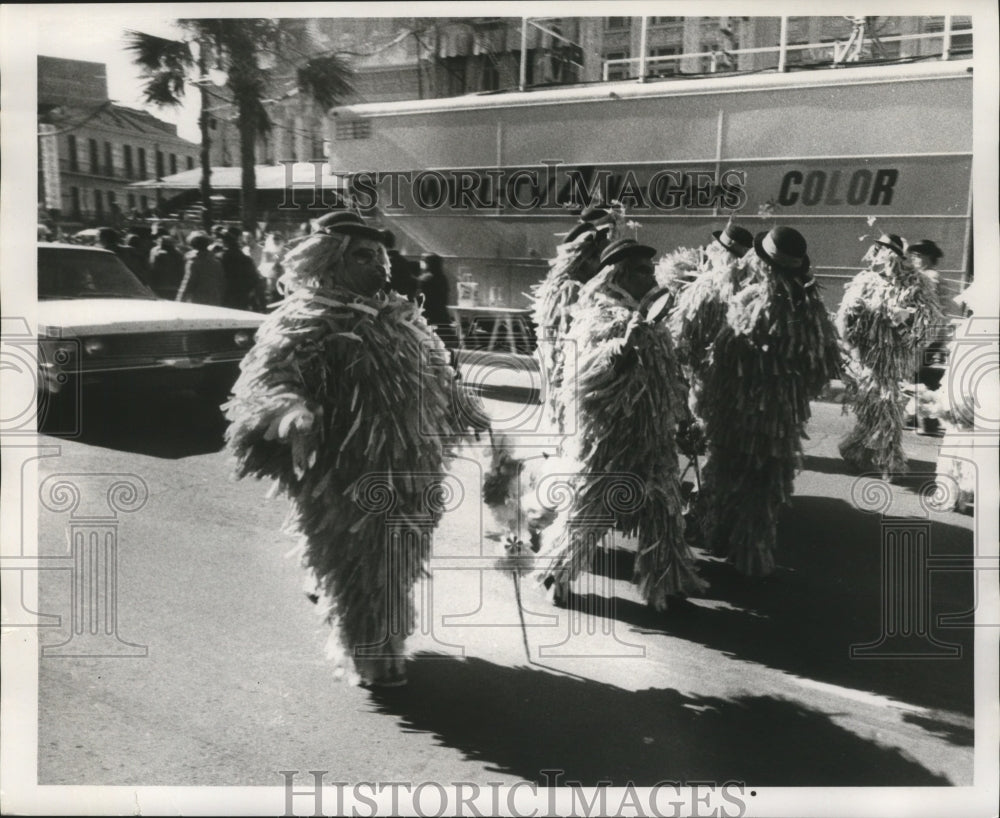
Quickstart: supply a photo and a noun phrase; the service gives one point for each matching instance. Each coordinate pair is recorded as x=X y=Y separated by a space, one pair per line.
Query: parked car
x=99 y=326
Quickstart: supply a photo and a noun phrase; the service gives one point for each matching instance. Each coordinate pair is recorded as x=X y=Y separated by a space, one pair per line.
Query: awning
x=269 y=177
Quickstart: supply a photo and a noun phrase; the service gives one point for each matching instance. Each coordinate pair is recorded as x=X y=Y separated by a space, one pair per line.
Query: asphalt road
x=751 y=682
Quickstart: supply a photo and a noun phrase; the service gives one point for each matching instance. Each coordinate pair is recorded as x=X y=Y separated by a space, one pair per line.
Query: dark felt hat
x=594 y=213
x=926 y=248
x=892 y=241
x=783 y=247
x=621 y=249
x=351 y=224
x=737 y=240
x=579 y=230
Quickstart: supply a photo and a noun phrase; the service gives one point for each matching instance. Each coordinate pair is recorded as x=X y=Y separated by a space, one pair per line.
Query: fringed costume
x=776 y=351
x=554 y=298
x=348 y=402
x=884 y=319
x=630 y=398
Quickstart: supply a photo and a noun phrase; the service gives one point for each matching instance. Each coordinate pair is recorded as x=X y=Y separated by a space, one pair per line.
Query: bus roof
x=633 y=89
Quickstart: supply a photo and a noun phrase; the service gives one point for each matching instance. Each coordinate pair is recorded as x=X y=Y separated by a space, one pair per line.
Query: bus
x=491 y=182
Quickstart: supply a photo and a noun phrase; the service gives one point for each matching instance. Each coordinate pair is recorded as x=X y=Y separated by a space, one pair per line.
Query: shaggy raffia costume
x=630 y=397
x=776 y=350
x=883 y=319
x=360 y=392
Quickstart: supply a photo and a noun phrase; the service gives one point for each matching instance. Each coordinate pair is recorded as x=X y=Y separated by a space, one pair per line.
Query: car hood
x=84 y=316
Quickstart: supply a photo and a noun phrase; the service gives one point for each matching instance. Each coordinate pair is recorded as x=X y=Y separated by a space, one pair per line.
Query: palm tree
x=261 y=58
x=167 y=66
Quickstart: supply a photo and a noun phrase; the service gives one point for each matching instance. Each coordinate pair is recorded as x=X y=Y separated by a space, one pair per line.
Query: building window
x=663 y=68
x=159 y=165
x=74 y=202
x=617 y=23
x=352 y=129
x=190 y=163
x=173 y=164
x=144 y=204
x=98 y=203
x=127 y=153
x=109 y=164
x=74 y=162
x=94 y=164
x=617 y=71
x=130 y=198
x=663 y=21
x=141 y=153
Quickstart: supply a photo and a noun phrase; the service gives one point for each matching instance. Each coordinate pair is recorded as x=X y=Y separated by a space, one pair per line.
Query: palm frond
x=327 y=79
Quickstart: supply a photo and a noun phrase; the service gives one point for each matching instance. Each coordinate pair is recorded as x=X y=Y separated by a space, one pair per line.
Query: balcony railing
x=837 y=50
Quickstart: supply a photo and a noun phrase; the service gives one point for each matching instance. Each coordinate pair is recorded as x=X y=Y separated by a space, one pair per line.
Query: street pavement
x=752 y=681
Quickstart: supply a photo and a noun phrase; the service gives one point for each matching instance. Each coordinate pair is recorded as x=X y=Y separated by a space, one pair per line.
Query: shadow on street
x=827 y=595
x=522 y=721
x=170 y=425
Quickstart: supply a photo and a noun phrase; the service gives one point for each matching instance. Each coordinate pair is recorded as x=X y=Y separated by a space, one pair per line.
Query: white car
x=99 y=325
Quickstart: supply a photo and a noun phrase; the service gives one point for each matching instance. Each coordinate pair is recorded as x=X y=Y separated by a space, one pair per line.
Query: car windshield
x=70 y=273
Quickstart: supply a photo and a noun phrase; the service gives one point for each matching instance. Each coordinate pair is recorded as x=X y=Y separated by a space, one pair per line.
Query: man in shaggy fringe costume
x=700 y=308
x=348 y=402
x=630 y=396
x=576 y=262
x=777 y=350
x=884 y=318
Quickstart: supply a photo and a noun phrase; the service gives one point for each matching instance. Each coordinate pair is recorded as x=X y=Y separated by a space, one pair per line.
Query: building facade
x=91 y=149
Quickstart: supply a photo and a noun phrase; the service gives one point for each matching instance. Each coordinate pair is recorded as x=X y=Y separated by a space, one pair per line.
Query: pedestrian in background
x=433 y=292
x=109 y=239
x=270 y=267
x=403 y=275
x=204 y=281
x=244 y=288
x=166 y=266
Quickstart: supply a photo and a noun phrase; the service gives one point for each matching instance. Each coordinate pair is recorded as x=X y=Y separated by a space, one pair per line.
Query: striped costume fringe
x=777 y=350
x=630 y=398
x=388 y=415
x=884 y=318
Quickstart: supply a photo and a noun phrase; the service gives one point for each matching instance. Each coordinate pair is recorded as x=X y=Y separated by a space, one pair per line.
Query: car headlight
x=243 y=338
x=93 y=346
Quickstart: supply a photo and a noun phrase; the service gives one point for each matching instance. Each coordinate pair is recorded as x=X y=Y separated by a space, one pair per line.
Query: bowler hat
x=737 y=240
x=783 y=247
x=926 y=248
x=579 y=230
x=621 y=249
x=892 y=241
x=351 y=224
x=594 y=213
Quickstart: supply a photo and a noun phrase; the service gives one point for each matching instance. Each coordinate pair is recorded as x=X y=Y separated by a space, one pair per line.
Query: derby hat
x=892 y=241
x=351 y=224
x=926 y=248
x=621 y=249
x=579 y=230
x=783 y=247
x=737 y=240
x=594 y=213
